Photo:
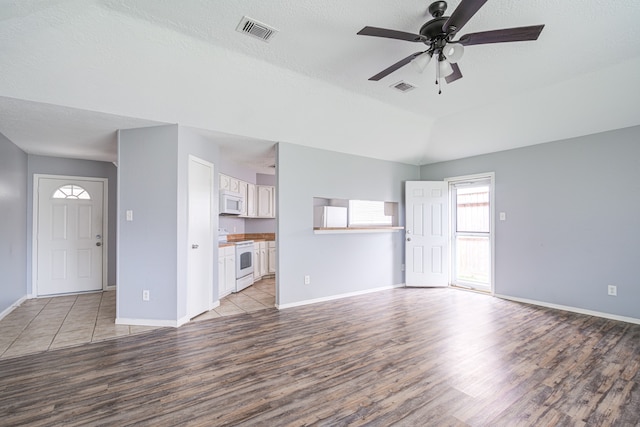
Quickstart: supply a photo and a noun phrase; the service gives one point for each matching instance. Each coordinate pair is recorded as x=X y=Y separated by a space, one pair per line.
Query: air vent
x=256 y=29
x=403 y=86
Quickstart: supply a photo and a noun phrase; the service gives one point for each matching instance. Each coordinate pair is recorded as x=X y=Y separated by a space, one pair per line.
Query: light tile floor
x=43 y=324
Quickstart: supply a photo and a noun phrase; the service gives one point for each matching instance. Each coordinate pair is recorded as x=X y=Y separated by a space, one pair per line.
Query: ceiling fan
x=438 y=35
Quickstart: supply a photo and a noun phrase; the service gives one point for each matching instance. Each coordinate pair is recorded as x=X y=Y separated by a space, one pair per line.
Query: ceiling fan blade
x=518 y=34
x=465 y=10
x=457 y=74
x=395 y=67
x=390 y=34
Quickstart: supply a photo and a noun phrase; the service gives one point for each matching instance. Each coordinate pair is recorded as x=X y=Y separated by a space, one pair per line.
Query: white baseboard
x=571 y=309
x=12 y=307
x=162 y=323
x=148 y=322
x=334 y=297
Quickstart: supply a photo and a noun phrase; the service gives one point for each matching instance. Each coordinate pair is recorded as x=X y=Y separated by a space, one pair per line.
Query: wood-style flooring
x=405 y=357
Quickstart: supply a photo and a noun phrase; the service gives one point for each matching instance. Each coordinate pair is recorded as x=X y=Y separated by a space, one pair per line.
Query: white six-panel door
x=69 y=235
x=427 y=234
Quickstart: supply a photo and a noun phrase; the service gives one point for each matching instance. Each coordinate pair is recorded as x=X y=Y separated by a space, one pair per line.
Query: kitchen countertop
x=232 y=239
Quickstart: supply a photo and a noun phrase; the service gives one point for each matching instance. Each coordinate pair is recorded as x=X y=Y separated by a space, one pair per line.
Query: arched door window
x=71 y=191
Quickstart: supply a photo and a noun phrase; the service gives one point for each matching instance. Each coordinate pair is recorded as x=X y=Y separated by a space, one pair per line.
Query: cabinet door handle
x=194 y=246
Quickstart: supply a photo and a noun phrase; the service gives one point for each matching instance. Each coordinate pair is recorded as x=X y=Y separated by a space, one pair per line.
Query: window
x=368 y=213
x=71 y=192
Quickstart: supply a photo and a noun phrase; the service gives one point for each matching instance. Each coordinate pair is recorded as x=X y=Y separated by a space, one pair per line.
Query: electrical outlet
x=145 y=295
x=307 y=280
x=612 y=290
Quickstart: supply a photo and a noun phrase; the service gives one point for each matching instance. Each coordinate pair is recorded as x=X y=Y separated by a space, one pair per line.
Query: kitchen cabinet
x=250 y=200
x=243 y=191
x=256 y=262
x=271 y=249
x=266 y=197
x=259 y=200
x=229 y=183
x=226 y=270
x=264 y=263
x=264 y=259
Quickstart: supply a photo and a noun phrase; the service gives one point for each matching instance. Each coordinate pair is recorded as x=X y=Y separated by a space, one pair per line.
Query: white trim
x=492 y=230
x=571 y=309
x=339 y=296
x=12 y=307
x=214 y=304
x=146 y=322
x=34 y=228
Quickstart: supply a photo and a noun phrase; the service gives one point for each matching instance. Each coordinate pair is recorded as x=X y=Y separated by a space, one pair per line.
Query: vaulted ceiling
x=74 y=71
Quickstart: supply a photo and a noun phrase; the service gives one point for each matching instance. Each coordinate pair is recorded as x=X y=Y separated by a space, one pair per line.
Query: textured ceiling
x=73 y=71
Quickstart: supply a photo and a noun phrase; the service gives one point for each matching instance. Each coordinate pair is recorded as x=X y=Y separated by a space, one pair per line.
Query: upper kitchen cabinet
x=250 y=201
x=266 y=201
x=243 y=186
x=259 y=200
x=229 y=183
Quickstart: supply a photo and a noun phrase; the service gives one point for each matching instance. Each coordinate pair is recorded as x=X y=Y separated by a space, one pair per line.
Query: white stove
x=244 y=264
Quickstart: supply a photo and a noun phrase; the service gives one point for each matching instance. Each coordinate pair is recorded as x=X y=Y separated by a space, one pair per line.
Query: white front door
x=427 y=235
x=200 y=235
x=69 y=236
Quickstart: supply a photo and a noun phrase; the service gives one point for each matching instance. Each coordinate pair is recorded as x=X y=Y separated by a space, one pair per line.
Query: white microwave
x=230 y=203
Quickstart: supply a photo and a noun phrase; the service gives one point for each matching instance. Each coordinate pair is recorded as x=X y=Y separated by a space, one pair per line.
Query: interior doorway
x=471 y=220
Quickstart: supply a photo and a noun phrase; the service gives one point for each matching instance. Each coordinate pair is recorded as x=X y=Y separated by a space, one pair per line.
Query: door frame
x=491 y=176
x=35 y=217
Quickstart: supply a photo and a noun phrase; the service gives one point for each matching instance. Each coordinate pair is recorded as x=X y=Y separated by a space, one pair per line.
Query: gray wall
x=147 y=258
x=13 y=223
x=152 y=249
x=75 y=167
x=573 y=219
x=337 y=263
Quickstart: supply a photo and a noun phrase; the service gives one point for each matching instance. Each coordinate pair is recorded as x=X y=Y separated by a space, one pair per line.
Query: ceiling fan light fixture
x=445 y=68
x=453 y=51
x=420 y=62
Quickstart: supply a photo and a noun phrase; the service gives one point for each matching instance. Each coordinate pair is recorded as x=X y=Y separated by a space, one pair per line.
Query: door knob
x=408 y=239
x=194 y=246
x=98 y=244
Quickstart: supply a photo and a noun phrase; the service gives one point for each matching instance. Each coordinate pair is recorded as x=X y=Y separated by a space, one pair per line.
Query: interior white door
x=427 y=234
x=200 y=235
x=69 y=236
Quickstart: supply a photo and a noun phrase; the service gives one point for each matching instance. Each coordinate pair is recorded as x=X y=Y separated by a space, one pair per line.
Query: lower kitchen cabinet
x=226 y=270
x=271 y=254
x=264 y=259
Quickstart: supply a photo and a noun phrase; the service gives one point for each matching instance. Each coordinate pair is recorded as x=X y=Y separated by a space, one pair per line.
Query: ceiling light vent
x=256 y=29
x=403 y=86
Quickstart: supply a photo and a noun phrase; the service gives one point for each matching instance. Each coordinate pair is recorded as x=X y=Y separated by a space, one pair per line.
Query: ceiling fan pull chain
x=438 y=76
